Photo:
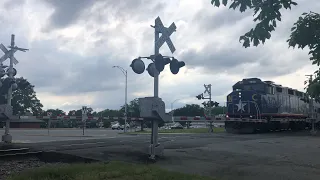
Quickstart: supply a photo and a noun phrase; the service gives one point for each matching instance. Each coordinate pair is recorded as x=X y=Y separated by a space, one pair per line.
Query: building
x=24 y=123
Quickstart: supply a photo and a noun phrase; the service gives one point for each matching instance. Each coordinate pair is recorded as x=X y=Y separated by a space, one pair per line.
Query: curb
x=55 y=135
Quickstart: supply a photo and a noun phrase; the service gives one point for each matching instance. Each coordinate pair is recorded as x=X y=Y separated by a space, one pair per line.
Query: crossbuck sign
x=166 y=33
x=7 y=54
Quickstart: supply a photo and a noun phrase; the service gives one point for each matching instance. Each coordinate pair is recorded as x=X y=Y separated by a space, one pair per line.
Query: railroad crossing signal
x=10 y=72
x=166 y=33
x=84 y=110
x=159 y=61
x=207 y=88
x=154 y=68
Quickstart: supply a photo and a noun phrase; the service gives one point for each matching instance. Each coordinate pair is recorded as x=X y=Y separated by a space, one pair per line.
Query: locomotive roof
x=258 y=80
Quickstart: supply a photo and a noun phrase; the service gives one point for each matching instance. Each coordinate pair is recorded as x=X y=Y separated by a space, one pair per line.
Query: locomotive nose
x=243 y=96
x=243 y=102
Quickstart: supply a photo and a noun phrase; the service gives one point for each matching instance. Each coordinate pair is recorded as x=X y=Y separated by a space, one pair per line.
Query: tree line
x=25 y=102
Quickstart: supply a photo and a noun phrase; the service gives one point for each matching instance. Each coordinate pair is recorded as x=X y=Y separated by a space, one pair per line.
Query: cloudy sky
x=74 y=44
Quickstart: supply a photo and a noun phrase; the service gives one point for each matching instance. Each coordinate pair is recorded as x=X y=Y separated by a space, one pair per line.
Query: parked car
x=118 y=126
x=176 y=126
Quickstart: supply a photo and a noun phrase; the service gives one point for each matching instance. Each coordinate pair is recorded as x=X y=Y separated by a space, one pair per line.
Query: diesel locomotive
x=259 y=106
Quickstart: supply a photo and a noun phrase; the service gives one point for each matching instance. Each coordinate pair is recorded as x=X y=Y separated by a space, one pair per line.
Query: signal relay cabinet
x=153 y=108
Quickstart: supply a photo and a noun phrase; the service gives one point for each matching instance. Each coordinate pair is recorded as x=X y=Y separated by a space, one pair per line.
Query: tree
x=219 y=110
x=189 y=110
x=24 y=99
x=54 y=112
x=79 y=112
x=304 y=33
x=269 y=14
x=76 y=112
x=133 y=108
x=109 y=113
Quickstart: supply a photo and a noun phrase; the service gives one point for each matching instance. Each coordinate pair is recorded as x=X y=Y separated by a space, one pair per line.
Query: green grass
x=101 y=171
x=194 y=130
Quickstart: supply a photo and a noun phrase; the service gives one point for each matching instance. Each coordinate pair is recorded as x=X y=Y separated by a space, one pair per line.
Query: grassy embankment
x=101 y=171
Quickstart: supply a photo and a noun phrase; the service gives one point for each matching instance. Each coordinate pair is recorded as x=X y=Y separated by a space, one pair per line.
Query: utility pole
x=125 y=73
x=49 y=121
x=172 y=111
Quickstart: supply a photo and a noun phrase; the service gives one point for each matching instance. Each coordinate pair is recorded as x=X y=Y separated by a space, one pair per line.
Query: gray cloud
x=12 y=4
x=207 y=20
x=255 y=61
x=65 y=73
x=72 y=11
x=67 y=12
x=227 y=59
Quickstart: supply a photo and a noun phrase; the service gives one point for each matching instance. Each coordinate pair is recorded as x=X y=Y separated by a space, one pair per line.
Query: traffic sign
x=49 y=113
x=166 y=33
x=7 y=54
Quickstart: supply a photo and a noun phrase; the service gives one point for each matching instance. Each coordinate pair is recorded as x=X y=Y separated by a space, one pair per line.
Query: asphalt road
x=41 y=135
x=285 y=156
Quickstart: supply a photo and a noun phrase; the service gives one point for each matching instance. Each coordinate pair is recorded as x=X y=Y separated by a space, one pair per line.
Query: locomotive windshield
x=259 y=87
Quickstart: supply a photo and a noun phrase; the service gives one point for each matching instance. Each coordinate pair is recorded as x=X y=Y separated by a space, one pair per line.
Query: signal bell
x=160 y=62
x=137 y=66
x=175 y=65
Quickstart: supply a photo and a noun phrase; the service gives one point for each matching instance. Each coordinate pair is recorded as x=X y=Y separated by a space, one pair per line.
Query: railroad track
x=13 y=152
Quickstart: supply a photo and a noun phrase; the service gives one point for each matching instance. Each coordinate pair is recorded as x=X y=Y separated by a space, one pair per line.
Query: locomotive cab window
x=290 y=91
x=279 y=89
x=270 y=89
x=298 y=93
x=258 y=87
